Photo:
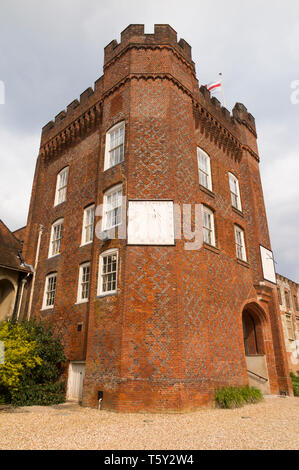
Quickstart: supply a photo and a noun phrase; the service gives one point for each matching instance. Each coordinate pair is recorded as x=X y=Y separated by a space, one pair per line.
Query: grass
x=235 y=397
x=295 y=382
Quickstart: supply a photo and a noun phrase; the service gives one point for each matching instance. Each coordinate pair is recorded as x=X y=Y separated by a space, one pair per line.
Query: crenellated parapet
x=173 y=63
x=133 y=36
x=242 y=116
x=217 y=123
x=80 y=116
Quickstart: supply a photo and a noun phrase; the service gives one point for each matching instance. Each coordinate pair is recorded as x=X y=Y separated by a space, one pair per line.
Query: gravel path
x=272 y=424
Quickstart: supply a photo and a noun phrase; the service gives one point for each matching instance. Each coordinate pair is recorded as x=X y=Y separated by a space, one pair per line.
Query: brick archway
x=254 y=322
x=253 y=319
x=7 y=298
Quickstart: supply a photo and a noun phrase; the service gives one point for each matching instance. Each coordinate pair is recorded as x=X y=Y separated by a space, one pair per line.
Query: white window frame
x=240 y=244
x=56 y=240
x=204 y=172
x=61 y=186
x=210 y=228
x=235 y=191
x=46 y=291
x=109 y=151
x=87 y=223
x=81 y=281
x=103 y=255
x=107 y=208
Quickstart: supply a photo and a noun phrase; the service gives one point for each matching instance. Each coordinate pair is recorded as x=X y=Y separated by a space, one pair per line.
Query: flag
x=214 y=86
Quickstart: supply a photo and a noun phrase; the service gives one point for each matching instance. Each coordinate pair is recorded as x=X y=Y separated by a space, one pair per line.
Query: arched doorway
x=7 y=299
x=253 y=319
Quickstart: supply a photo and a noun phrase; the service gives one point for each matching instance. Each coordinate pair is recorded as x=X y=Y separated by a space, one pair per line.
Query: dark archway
x=7 y=297
x=254 y=319
x=252 y=332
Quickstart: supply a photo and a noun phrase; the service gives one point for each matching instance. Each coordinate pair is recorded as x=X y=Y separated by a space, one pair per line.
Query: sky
x=51 y=51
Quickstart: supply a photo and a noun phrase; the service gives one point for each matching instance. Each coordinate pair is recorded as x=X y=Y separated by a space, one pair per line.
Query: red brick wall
x=173 y=333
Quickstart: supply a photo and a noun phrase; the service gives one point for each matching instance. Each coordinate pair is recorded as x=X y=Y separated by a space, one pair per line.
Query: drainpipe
x=34 y=272
x=16 y=299
x=24 y=282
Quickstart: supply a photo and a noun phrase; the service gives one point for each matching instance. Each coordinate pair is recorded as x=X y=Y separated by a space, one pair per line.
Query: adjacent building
x=288 y=292
x=15 y=275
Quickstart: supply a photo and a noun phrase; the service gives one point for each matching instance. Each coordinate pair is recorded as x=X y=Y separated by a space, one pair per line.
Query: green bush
x=235 y=397
x=4 y=396
x=40 y=394
x=295 y=382
x=25 y=382
x=20 y=356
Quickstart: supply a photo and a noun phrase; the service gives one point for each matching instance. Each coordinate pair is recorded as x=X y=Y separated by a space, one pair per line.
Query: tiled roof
x=10 y=248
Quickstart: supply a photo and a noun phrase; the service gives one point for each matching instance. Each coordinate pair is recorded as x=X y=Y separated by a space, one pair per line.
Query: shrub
x=295 y=382
x=49 y=348
x=40 y=394
x=235 y=397
x=21 y=356
x=35 y=378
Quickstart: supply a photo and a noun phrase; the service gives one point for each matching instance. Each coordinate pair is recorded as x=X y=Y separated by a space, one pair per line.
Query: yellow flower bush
x=19 y=355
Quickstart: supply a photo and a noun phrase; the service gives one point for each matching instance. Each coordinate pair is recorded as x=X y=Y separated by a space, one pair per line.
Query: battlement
x=75 y=109
x=213 y=105
x=163 y=34
x=241 y=114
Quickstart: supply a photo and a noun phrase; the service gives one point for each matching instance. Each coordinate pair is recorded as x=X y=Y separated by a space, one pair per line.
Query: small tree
x=39 y=360
x=20 y=356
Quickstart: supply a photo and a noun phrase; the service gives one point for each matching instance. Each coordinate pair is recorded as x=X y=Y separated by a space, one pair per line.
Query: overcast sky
x=51 y=51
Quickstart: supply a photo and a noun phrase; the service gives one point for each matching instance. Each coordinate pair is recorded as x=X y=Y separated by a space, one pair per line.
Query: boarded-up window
x=268 y=265
x=150 y=223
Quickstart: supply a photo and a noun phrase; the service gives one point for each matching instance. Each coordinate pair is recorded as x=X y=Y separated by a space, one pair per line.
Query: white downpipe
x=24 y=281
x=34 y=273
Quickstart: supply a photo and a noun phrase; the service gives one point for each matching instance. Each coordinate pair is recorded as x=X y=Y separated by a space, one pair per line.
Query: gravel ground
x=272 y=424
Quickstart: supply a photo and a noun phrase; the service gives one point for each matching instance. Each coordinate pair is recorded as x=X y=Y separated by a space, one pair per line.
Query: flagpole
x=222 y=90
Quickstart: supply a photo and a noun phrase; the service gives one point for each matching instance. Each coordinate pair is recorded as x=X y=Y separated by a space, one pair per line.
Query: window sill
x=237 y=211
x=85 y=244
x=100 y=296
x=212 y=248
x=54 y=256
x=243 y=263
x=207 y=191
x=59 y=204
x=44 y=309
x=79 y=302
x=114 y=166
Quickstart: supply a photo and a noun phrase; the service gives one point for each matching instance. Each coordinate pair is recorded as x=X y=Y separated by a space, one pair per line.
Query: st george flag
x=214 y=86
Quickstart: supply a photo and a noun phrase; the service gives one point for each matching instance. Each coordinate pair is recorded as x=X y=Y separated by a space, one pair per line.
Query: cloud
x=52 y=51
x=17 y=156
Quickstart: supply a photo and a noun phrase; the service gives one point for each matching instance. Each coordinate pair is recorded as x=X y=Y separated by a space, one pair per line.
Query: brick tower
x=161 y=326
